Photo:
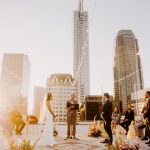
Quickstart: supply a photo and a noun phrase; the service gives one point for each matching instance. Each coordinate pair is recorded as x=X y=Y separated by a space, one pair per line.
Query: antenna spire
x=80 y=5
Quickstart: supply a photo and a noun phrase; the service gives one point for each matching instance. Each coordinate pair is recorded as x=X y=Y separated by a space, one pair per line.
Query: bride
x=46 y=117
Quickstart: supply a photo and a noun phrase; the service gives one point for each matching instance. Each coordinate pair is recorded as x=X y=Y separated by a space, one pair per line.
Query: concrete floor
x=84 y=142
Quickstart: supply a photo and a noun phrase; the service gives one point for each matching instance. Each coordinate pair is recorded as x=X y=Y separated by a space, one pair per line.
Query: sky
x=43 y=29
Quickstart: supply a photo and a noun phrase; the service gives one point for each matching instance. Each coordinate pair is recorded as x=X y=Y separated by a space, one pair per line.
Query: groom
x=72 y=107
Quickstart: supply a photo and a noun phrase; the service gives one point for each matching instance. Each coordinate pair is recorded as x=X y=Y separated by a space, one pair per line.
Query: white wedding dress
x=47 y=138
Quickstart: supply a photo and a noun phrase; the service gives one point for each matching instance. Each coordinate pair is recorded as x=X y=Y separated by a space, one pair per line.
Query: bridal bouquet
x=55 y=132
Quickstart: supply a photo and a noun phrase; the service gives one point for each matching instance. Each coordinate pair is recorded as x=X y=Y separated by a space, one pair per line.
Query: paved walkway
x=84 y=142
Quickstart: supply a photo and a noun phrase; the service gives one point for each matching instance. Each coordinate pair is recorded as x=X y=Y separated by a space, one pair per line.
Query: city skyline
x=36 y=31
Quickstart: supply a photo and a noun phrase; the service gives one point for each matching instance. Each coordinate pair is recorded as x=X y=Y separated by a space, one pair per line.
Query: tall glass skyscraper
x=128 y=75
x=81 y=52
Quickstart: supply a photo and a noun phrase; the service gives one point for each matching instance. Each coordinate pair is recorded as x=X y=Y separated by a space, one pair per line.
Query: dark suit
x=71 y=118
x=129 y=117
x=146 y=115
x=107 y=112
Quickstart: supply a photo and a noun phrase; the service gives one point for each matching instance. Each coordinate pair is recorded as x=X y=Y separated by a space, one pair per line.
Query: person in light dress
x=46 y=117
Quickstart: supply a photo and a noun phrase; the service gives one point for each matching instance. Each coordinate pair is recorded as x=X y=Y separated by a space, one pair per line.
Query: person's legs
x=21 y=125
x=109 y=131
x=74 y=129
x=127 y=126
x=147 y=132
x=68 y=132
x=113 y=126
x=17 y=128
x=124 y=125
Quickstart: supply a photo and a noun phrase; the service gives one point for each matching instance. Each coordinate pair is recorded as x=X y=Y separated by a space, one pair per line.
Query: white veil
x=43 y=111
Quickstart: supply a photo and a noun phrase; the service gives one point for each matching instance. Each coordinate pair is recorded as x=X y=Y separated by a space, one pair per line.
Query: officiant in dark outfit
x=72 y=107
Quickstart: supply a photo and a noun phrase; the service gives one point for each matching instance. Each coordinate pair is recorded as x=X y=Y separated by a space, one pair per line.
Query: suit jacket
x=146 y=112
x=129 y=115
x=107 y=111
x=71 y=113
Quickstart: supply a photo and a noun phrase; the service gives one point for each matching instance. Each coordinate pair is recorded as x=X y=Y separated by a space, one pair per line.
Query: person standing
x=72 y=107
x=129 y=117
x=106 y=114
x=46 y=117
x=146 y=116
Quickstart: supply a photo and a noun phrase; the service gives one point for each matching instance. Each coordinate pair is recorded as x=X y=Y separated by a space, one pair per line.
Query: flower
x=94 y=130
x=25 y=145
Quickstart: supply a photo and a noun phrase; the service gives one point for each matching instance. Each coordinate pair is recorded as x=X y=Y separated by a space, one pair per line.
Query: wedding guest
x=146 y=116
x=72 y=107
x=106 y=115
x=7 y=127
x=129 y=117
x=17 y=121
x=142 y=125
x=115 y=118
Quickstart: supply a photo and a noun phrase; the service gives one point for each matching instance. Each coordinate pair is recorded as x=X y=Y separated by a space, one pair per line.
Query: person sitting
x=17 y=121
x=115 y=118
x=129 y=117
x=7 y=128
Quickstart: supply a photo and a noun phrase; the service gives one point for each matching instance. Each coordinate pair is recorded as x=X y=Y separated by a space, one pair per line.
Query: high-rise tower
x=14 y=81
x=81 y=52
x=128 y=75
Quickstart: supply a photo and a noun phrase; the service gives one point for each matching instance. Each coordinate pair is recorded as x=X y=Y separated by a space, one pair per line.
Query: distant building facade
x=39 y=94
x=93 y=107
x=61 y=86
x=14 y=81
x=128 y=75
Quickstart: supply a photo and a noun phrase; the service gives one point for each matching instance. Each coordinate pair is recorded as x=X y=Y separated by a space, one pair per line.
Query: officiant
x=72 y=107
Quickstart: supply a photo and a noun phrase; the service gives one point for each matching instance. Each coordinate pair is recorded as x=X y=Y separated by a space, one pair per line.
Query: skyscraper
x=128 y=75
x=14 y=81
x=81 y=52
x=61 y=86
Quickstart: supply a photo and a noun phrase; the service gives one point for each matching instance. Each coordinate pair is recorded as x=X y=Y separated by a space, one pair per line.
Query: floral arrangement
x=25 y=145
x=94 y=130
x=119 y=143
x=125 y=145
x=106 y=136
